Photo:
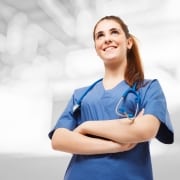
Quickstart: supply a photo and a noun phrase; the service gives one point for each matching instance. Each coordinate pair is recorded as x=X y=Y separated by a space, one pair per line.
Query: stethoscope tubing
x=132 y=90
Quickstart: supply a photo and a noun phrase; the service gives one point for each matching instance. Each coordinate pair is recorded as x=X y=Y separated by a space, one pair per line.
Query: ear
x=129 y=43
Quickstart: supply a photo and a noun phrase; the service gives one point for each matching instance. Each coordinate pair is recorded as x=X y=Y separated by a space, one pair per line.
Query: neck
x=113 y=76
x=115 y=71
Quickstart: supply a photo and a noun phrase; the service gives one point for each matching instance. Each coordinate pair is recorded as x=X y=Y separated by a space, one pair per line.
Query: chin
x=109 y=61
x=112 y=58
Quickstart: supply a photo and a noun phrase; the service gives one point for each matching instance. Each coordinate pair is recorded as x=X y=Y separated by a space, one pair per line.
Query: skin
x=118 y=135
x=111 y=46
x=142 y=129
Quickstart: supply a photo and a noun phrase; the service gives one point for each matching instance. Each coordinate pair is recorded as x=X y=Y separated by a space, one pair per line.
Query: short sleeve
x=66 y=120
x=154 y=103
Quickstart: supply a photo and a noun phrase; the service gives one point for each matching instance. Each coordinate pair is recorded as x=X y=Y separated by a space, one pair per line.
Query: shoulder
x=79 y=91
x=151 y=88
x=86 y=89
x=149 y=83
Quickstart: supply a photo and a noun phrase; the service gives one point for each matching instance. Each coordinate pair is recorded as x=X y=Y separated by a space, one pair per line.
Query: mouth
x=109 y=48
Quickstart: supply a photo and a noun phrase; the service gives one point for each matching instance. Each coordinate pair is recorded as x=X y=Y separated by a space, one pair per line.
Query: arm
x=73 y=142
x=143 y=128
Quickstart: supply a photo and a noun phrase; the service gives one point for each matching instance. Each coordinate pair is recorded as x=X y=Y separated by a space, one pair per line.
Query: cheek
x=97 y=46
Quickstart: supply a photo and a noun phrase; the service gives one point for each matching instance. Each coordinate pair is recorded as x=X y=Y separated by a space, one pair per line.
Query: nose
x=107 y=39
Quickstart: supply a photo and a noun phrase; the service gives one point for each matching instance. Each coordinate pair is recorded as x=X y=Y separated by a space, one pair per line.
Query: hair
x=134 y=72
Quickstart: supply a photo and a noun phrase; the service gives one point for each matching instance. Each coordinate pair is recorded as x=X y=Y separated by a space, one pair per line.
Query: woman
x=109 y=135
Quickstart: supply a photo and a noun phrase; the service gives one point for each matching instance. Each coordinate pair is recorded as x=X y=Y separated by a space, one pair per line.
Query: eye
x=99 y=35
x=115 y=32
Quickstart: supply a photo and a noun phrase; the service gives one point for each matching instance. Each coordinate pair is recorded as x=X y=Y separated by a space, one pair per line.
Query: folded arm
x=143 y=128
x=76 y=143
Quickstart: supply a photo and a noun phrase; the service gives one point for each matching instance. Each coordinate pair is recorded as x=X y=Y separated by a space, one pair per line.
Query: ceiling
x=67 y=20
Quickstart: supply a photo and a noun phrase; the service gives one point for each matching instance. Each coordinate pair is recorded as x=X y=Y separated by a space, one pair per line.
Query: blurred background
x=46 y=51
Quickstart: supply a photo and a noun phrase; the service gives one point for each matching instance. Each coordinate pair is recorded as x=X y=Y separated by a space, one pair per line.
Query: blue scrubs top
x=100 y=104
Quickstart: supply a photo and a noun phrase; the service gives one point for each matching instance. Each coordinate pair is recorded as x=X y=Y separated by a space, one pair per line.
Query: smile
x=109 y=48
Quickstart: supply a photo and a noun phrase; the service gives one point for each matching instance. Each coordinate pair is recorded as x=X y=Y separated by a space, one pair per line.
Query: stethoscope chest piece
x=129 y=103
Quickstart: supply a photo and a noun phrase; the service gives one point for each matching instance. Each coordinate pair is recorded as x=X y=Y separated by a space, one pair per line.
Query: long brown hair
x=134 y=71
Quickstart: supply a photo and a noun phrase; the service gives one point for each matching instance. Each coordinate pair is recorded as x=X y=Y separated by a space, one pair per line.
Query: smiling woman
x=104 y=143
x=118 y=48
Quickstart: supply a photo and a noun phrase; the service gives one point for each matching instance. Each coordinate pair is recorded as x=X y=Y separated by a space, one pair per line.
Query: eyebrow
x=99 y=32
x=112 y=29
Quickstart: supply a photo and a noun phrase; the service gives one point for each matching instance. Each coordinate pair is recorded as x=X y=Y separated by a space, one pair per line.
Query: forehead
x=106 y=25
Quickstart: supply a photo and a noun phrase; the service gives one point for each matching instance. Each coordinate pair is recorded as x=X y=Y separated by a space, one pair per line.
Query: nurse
x=106 y=143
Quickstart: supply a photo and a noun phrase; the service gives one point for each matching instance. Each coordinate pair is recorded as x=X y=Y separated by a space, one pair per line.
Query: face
x=111 y=44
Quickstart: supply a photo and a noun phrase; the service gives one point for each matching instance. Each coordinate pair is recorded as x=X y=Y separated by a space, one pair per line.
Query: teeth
x=109 y=48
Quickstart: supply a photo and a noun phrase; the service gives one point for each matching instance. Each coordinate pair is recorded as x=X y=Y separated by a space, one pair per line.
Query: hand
x=127 y=147
x=130 y=121
x=141 y=113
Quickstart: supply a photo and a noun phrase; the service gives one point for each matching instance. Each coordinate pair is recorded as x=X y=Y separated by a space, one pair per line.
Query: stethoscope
x=119 y=110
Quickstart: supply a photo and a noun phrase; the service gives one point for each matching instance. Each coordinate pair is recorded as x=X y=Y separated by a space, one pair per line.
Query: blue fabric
x=99 y=104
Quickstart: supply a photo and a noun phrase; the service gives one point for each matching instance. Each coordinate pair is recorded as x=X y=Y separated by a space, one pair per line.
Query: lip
x=109 y=47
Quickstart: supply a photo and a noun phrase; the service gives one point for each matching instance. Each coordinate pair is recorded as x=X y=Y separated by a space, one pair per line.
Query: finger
x=130 y=146
x=141 y=112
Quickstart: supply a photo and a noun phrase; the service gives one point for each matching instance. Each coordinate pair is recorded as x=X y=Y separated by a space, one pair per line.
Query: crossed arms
x=110 y=136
